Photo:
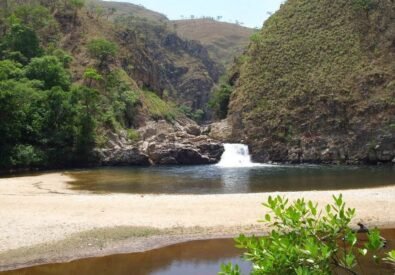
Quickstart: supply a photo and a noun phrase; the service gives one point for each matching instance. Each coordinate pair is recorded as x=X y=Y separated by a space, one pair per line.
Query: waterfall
x=236 y=155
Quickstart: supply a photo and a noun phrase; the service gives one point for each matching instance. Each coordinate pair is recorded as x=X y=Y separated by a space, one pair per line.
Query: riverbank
x=44 y=221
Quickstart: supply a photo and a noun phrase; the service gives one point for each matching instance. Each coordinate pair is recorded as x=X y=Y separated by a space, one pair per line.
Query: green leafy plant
x=390 y=257
x=102 y=50
x=306 y=240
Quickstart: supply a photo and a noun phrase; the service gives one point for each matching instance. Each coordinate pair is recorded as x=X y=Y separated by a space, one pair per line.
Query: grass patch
x=157 y=108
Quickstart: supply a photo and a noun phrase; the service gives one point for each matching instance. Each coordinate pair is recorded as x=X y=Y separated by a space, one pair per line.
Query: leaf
x=267 y=217
x=390 y=257
x=350 y=260
x=351 y=238
x=363 y=251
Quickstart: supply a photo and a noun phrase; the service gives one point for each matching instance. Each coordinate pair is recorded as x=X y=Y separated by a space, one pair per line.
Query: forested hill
x=73 y=81
x=317 y=84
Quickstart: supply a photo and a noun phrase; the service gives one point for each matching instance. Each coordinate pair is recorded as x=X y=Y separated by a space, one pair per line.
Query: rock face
x=317 y=84
x=174 y=68
x=164 y=143
x=221 y=130
x=178 y=143
x=125 y=156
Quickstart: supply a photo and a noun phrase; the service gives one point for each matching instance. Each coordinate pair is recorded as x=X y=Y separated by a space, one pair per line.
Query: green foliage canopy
x=49 y=70
x=21 y=39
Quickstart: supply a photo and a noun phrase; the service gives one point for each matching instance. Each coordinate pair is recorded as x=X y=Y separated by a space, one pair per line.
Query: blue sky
x=251 y=12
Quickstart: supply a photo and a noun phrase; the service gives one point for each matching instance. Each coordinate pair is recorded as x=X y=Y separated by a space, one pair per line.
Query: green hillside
x=317 y=84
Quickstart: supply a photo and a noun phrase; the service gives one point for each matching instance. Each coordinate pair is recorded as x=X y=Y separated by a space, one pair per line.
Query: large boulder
x=204 y=152
x=179 y=142
x=162 y=143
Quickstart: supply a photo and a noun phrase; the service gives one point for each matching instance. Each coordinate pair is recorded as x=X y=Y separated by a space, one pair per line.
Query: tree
x=305 y=240
x=23 y=40
x=19 y=122
x=87 y=100
x=59 y=132
x=90 y=75
x=102 y=50
x=50 y=71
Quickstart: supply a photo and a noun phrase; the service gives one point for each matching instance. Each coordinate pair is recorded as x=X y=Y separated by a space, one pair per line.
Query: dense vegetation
x=307 y=240
x=317 y=83
x=52 y=114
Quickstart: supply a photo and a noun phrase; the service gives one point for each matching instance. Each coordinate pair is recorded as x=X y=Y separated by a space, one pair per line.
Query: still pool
x=214 y=179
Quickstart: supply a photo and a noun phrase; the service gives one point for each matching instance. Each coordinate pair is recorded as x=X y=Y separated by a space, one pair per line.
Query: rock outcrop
x=178 y=143
x=163 y=143
x=220 y=130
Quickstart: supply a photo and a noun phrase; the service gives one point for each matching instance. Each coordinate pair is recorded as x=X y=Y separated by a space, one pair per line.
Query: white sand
x=35 y=210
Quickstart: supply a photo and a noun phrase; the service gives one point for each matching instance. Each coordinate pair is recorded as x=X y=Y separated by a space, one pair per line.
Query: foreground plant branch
x=306 y=240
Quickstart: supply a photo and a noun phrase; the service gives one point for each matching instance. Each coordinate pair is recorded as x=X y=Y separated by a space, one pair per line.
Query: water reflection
x=192 y=258
x=212 y=179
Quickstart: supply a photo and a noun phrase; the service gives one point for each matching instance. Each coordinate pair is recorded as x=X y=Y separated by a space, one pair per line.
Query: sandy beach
x=44 y=221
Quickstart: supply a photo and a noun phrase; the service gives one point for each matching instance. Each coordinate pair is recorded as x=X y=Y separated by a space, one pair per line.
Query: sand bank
x=42 y=220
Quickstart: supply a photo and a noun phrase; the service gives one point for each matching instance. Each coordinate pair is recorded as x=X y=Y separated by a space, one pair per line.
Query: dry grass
x=223 y=40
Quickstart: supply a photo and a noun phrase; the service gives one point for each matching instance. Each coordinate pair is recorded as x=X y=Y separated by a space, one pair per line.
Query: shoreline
x=45 y=222
x=128 y=246
x=25 y=172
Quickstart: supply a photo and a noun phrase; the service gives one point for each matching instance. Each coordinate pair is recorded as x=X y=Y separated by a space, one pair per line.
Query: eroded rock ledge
x=163 y=143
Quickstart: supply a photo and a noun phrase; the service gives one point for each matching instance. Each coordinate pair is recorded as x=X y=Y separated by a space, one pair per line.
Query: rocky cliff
x=176 y=69
x=317 y=84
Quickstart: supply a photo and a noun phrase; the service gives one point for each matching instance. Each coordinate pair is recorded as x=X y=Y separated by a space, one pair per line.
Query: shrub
x=220 y=100
x=133 y=134
x=305 y=240
x=197 y=115
x=26 y=156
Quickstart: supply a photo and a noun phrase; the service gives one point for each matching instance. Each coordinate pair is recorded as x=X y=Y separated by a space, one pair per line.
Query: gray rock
x=122 y=157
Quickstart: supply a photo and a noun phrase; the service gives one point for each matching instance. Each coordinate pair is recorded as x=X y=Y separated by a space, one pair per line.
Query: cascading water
x=236 y=155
